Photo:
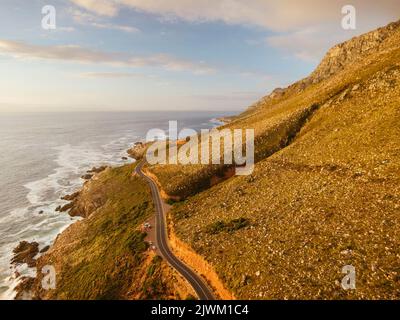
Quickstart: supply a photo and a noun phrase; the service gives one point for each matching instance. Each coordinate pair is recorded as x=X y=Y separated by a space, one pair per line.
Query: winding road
x=198 y=284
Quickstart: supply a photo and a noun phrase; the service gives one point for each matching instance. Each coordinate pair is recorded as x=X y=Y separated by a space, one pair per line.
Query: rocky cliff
x=335 y=60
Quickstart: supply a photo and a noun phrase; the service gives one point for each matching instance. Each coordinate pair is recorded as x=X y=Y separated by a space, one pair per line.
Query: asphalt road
x=198 y=284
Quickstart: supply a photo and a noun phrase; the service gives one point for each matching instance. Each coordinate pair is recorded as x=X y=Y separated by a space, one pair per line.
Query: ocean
x=43 y=156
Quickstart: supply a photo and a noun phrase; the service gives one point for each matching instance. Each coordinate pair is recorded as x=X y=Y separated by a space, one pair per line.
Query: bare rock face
x=78 y=204
x=138 y=150
x=64 y=208
x=71 y=197
x=25 y=253
x=336 y=59
x=346 y=53
x=90 y=198
x=278 y=92
x=90 y=173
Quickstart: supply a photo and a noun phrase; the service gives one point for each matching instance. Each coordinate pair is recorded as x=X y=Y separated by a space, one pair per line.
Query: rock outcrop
x=335 y=60
x=346 y=53
x=138 y=151
x=25 y=252
x=97 y=169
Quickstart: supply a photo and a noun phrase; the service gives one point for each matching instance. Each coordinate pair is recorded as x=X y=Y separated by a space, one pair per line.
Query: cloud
x=247 y=96
x=305 y=29
x=114 y=27
x=115 y=75
x=65 y=29
x=311 y=44
x=255 y=74
x=276 y=15
x=107 y=8
x=79 y=54
x=308 y=45
x=85 y=18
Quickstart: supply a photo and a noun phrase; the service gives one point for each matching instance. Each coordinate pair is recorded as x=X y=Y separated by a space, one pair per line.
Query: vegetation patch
x=230 y=226
x=154 y=287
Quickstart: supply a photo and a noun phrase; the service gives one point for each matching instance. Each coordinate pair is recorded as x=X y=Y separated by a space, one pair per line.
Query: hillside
x=105 y=255
x=277 y=119
x=325 y=192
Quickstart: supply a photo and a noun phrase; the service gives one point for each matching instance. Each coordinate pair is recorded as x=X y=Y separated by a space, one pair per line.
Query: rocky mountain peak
x=347 y=52
x=336 y=59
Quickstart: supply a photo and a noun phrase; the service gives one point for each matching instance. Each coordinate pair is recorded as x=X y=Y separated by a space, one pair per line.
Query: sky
x=127 y=55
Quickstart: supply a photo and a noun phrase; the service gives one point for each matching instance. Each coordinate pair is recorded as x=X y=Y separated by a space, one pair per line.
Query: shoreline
x=64 y=207
x=34 y=216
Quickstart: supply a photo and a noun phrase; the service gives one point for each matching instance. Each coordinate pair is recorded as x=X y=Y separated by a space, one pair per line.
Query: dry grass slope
x=325 y=192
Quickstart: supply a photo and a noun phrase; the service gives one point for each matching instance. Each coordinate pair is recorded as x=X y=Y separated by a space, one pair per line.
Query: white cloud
x=85 y=18
x=247 y=96
x=277 y=15
x=305 y=29
x=311 y=44
x=84 y=55
x=65 y=29
x=102 y=7
x=115 y=75
x=307 y=45
x=114 y=27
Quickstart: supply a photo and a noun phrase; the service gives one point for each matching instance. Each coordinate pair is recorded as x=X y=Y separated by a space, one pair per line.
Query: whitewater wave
x=39 y=221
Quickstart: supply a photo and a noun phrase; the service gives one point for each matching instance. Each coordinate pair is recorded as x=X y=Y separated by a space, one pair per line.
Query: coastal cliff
x=105 y=255
x=324 y=194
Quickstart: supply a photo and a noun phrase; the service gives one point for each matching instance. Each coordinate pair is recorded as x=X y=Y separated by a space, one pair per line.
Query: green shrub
x=230 y=226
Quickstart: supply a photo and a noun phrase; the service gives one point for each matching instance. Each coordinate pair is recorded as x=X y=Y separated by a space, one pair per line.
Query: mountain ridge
x=334 y=61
